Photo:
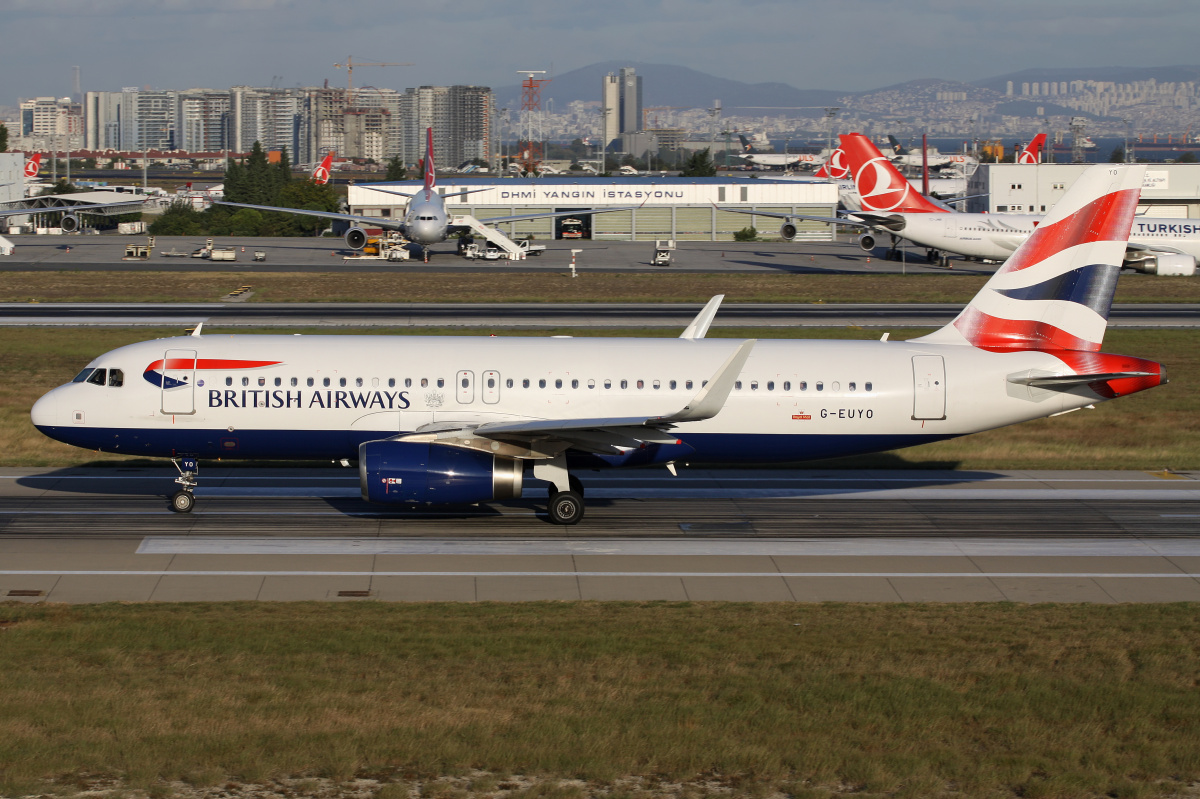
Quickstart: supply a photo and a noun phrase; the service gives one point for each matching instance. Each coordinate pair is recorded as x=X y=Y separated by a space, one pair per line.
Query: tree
x=1117 y=156
x=746 y=234
x=311 y=197
x=1186 y=158
x=3 y=138
x=61 y=187
x=259 y=186
x=395 y=169
x=282 y=172
x=699 y=165
x=180 y=219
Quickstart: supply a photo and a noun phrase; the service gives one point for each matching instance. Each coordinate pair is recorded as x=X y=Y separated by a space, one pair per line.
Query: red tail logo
x=33 y=165
x=320 y=175
x=835 y=167
x=430 y=177
x=881 y=187
x=1032 y=154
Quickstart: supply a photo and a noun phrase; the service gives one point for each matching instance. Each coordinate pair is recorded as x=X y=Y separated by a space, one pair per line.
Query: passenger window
x=310 y=382
x=641 y=384
x=508 y=383
x=116 y=378
x=358 y=381
x=804 y=385
x=294 y=381
x=574 y=384
x=374 y=382
x=852 y=386
x=867 y=386
x=98 y=377
x=408 y=382
x=441 y=382
x=325 y=382
x=754 y=385
x=591 y=384
x=820 y=386
x=229 y=381
x=688 y=384
x=558 y=383
x=245 y=381
x=86 y=373
x=738 y=385
x=770 y=385
x=787 y=385
x=607 y=383
x=466 y=383
x=342 y=382
x=262 y=381
x=542 y=383
x=525 y=383
x=672 y=384
x=624 y=384
x=657 y=384
x=491 y=382
x=391 y=382
x=836 y=386
x=424 y=382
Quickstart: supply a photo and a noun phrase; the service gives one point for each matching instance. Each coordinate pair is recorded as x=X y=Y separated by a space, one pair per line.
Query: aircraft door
x=465 y=383
x=951 y=226
x=178 y=382
x=929 y=387
x=491 y=387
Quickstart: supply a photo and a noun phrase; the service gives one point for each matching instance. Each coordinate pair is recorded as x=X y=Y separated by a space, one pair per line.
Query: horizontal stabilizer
x=1069 y=381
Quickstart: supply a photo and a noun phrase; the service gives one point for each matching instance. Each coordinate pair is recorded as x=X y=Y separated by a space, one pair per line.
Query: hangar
x=1170 y=190
x=658 y=207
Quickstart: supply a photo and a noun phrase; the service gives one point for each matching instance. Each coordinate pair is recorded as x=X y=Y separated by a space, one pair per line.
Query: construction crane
x=350 y=65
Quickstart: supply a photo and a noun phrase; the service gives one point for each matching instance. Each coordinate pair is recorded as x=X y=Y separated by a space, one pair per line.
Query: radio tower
x=529 y=148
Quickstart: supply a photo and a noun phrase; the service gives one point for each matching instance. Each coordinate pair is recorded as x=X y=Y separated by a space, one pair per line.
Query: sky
x=849 y=45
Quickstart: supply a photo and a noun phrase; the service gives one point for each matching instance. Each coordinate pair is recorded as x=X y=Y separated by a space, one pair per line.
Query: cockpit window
x=98 y=377
x=116 y=378
x=84 y=375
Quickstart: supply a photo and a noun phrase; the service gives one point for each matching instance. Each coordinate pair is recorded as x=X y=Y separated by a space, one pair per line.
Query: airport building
x=1171 y=190
x=654 y=208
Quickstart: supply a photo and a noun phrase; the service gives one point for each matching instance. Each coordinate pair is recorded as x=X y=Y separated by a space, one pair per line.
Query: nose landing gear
x=183 y=500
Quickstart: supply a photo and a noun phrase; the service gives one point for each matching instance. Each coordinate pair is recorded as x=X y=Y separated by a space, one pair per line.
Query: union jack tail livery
x=1054 y=294
x=880 y=185
x=33 y=165
x=320 y=175
x=430 y=175
x=835 y=168
x=1032 y=154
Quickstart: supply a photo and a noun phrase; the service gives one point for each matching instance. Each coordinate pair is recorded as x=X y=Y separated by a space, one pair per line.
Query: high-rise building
x=631 y=101
x=203 y=121
x=52 y=122
x=610 y=104
x=463 y=119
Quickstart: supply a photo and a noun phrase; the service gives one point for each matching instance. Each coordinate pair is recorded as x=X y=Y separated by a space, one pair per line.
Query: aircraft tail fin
x=897 y=147
x=1054 y=293
x=746 y=148
x=1032 y=154
x=880 y=185
x=834 y=167
x=33 y=165
x=430 y=175
x=320 y=175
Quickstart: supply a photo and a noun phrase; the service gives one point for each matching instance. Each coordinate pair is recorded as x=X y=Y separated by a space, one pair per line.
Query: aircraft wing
x=829 y=220
x=605 y=435
x=587 y=212
x=69 y=209
x=376 y=221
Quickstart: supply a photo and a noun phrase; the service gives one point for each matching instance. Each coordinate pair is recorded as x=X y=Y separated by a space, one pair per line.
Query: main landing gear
x=566 y=492
x=183 y=500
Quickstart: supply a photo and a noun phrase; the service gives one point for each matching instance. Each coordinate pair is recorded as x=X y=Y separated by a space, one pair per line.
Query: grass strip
x=1153 y=430
x=485 y=287
x=897 y=700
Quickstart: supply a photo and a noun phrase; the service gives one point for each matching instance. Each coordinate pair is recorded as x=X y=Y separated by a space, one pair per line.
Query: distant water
x=1103 y=149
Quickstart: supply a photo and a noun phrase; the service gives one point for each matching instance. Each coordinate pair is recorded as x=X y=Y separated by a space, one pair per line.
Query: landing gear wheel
x=183 y=501
x=566 y=507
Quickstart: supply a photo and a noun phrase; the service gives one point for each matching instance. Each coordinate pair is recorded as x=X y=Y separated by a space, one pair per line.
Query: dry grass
x=490 y=287
x=980 y=700
x=1151 y=430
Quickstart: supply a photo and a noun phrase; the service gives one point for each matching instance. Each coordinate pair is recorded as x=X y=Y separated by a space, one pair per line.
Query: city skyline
x=842 y=46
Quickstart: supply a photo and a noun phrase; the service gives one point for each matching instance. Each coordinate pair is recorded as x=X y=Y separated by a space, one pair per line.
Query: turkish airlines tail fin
x=880 y=185
x=33 y=165
x=834 y=167
x=1055 y=291
x=1032 y=154
x=430 y=177
x=320 y=175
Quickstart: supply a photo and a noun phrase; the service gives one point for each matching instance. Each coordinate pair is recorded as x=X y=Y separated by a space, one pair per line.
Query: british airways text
x=279 y=398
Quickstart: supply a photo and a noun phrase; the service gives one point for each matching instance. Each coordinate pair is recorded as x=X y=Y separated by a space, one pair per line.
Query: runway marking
x=674 y=547
x=189 y=573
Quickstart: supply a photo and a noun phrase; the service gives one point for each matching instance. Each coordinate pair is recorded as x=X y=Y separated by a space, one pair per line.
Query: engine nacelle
x=356 y=238
x=787 y=231
x=410 y=471
x=70 y=223
x=866 y=241
x=1165 y=264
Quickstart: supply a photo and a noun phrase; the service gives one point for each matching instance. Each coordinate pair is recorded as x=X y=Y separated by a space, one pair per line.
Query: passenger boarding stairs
x=511 y=249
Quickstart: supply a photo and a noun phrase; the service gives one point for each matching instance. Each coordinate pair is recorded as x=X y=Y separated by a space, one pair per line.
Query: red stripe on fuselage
x=1003 y=335
x=210 y=363
x=1107 y=218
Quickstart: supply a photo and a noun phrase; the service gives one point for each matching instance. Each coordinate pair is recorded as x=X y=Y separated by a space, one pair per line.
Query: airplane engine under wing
x=1166 y=264
x=787 y=231
x=69 y=223
x=356 y=238
x=866 y=241
x=412 y=471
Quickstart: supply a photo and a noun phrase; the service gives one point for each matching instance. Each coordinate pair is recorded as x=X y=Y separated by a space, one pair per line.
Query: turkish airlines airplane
x=446 y=420
x=1032 y=153
x=322 y=171
x=426 y=221
x=33 y=166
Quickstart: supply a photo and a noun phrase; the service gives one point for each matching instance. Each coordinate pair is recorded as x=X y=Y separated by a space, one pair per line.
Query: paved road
x=533 y=314
x=42 y=253
x=104 y=535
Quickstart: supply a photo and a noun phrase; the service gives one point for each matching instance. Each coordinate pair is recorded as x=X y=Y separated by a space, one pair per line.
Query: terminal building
x=1170 y=190
x=684 y=209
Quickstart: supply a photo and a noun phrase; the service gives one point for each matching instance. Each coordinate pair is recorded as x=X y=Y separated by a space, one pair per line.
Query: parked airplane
x=892 y=207
x=322 y=171
x=444 y=420
x=33 y=166
x=1032 y=154
x=426 y=220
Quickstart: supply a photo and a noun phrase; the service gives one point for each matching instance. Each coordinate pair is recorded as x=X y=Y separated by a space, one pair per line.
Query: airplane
x=426 y=221
x=33 y=166
x=774 y=159
x=322 y=171
x=1032 y=153
x=456 y=420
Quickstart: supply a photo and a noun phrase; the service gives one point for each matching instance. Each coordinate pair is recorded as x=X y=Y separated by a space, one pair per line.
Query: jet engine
x=356 y=238
x=866 y=241
x=410 y=471
x=787 y=231
x=1166 y=264
x=69 y=223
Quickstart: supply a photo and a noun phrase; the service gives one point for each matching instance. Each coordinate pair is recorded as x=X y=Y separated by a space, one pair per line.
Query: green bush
x=746 y=234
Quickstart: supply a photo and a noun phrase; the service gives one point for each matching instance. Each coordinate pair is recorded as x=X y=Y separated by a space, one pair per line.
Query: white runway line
x=189 y=573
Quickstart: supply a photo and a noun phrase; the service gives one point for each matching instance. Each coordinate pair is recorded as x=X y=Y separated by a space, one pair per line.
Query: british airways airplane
x=426 y=220
x=444 y=420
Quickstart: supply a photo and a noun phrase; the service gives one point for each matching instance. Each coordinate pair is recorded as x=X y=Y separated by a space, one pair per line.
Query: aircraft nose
x=45 y=411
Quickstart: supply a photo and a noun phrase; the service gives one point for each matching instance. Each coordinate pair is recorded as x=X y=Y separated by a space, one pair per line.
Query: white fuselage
x=321 y=396
x=996 y=236
x=425 y=220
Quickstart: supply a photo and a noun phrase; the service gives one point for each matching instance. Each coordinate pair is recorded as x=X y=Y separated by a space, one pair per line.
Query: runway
x=533 y=315
x=95 y=535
